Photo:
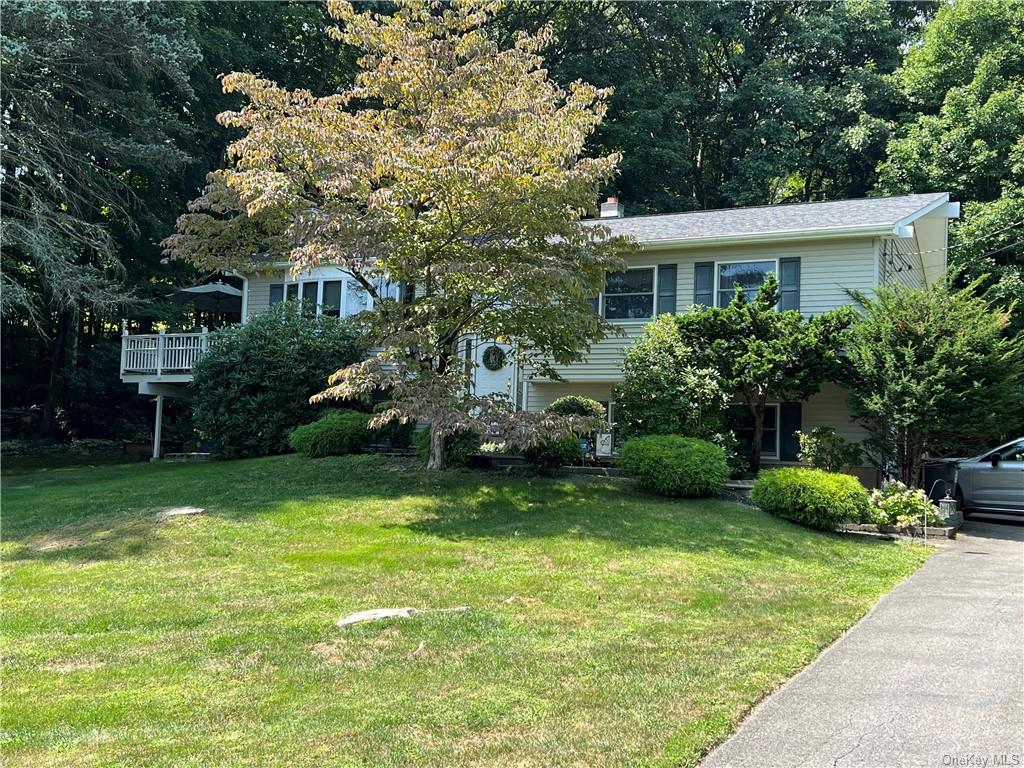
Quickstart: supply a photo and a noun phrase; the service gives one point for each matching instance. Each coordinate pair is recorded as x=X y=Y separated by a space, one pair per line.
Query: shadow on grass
x=107 y=513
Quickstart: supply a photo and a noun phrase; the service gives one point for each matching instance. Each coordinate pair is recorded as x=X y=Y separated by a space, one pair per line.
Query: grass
x=605 y=627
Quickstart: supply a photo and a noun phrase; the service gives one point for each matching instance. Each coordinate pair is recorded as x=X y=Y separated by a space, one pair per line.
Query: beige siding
x=900 y=263
x=539 y=395
x=259 y=293
x=829 y=408
x=828 y=268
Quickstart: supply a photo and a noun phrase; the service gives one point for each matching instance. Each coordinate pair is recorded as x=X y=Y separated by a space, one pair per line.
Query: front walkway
x=933 y=676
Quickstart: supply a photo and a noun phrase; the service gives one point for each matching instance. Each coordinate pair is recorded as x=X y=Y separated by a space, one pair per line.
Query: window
x=337 y=298
x=749 y=275
x=331 y=302
x=742 y=423
x=629 y=295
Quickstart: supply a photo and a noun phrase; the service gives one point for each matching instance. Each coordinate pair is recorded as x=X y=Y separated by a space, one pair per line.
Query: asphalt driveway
x=933 y=676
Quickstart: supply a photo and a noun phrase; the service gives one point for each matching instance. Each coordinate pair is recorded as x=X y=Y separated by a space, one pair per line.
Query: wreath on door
x=494 y=358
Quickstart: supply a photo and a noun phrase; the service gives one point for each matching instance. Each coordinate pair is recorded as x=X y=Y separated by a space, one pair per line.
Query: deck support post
x=158 y=426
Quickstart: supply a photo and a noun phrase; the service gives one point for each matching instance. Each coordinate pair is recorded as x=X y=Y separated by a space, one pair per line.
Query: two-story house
x=818 y=251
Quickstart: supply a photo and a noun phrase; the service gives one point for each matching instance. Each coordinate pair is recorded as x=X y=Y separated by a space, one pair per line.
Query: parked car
x=994 y=480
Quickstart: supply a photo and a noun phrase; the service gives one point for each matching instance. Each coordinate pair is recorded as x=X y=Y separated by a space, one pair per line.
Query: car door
x=1000 y=484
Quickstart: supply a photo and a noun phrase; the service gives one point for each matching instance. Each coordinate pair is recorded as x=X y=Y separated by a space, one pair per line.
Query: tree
x=724 y=104
x=965 y=83
x=449 y=181
x=931 y=371
x=663 y=392
x=763 y=353
x=85 y=92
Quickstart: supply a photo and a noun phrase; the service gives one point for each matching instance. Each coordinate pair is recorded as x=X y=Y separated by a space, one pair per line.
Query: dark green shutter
x=276 y=293
x=789 y=283
x=666 y=289
x=790 y=415
x=704 y=283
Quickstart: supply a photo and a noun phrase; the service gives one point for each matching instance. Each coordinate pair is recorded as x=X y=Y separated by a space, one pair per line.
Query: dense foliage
x=932 y=371
x=253 y=386
x=895 y=504
x=336 y=433
x=547 y=456
x=671 y=465
x=811 y=497
x=663 y=392
x=824 y=448
x=763 y=353
x=575 y=405
x=965 y=135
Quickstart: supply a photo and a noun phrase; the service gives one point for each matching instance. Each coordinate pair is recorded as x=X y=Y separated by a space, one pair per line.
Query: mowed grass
x=605 y=627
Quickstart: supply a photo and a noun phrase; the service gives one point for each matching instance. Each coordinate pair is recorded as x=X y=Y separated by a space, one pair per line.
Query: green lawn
x=605 y=627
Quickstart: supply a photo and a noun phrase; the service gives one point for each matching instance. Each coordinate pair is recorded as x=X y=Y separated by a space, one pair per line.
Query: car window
x=1013 y=452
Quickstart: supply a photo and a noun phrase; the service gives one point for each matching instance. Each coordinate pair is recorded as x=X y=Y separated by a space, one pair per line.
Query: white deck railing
x=159 y=354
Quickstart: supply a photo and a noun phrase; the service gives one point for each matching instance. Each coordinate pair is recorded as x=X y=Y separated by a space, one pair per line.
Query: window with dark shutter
x=789 y=283
x=666 y=288
x=790 y=419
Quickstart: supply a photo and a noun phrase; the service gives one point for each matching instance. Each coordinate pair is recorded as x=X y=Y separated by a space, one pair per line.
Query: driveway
x=932 y=676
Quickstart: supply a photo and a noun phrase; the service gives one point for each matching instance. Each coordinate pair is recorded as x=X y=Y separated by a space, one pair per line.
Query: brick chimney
x=612 y=209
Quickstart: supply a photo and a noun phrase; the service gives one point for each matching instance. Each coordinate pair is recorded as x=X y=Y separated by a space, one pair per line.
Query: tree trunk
x=437 y=457
x=55 y=391
x=757 y=410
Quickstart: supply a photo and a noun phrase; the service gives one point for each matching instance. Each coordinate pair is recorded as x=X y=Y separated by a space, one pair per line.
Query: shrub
x=811 y=497
x=552 y=454
x=396 y=434
x=575 y=405
x=253 y=385
x=824 y=449
x=457 y=448
x=336 y=433
x=676 y=466
x=663 y=392
x=895 y=504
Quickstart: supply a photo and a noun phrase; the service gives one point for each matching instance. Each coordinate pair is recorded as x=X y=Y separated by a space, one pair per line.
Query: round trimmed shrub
x=811 y=497
x=457 y=448
x=337 y=433
x=575 y=405
x=671 y=465
x=549 y=455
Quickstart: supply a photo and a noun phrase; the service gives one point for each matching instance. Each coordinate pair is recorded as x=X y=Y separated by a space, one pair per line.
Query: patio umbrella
x=212 y=297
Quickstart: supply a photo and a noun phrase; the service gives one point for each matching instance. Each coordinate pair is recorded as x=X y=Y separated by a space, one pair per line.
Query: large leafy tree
x=722 y=104
x=763 y=353
x=453 y=168
x=965 y=84
x=932 y=371
x=87 y=98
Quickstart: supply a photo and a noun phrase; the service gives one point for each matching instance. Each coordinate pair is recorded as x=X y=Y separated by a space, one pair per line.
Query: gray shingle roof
x=767 y=220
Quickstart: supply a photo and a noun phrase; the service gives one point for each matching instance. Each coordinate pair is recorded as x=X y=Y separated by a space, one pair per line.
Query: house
x=818 y=251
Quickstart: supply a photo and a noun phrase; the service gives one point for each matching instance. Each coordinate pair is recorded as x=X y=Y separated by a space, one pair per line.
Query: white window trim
x=344 y=277
x=654 y=298
x=775 y=271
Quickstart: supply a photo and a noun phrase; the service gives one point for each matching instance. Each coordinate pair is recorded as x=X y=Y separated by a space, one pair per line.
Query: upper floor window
x=629 y=295
x=749 y=275
x=340 y=297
